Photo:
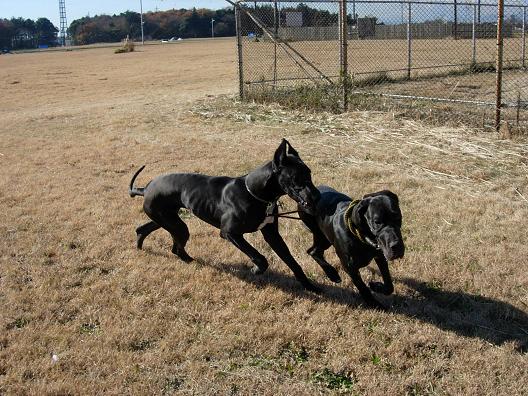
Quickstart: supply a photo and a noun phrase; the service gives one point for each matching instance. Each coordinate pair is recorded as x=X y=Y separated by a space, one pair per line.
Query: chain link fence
x=429 y=58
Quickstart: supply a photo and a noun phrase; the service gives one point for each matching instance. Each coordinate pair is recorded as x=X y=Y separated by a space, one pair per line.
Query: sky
x=75 y=9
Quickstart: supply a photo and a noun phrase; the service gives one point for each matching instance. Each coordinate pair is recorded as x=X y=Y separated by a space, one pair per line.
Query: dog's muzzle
x=306 y=199
x=391 y=243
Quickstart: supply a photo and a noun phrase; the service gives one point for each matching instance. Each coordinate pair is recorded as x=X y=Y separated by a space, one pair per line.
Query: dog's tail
x=133 y=191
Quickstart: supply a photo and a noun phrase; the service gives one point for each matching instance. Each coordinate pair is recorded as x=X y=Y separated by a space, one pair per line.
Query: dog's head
x=380 y=214
x=294 y=177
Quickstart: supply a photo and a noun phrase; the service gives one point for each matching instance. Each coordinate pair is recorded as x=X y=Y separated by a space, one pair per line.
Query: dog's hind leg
x=143 y=231
x=170 y=221
x=320 y=244
x=180 y=236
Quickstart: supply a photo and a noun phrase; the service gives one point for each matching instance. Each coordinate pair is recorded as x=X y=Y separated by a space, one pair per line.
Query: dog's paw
x=255 y=270
x=332 y=274
x=259 y=266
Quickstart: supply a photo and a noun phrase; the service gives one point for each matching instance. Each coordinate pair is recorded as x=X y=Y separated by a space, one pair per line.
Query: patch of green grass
x=375 y=359
x=261 y=362
x=185 y=213
x=17 y=323
x=89 y=328
x=298 y=354
x=140 y=345
x=371 y=325
x=335 y=381
x=172 y=384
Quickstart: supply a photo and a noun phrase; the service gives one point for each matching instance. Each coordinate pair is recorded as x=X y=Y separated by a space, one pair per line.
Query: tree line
x=156 y=25
x=20 y=33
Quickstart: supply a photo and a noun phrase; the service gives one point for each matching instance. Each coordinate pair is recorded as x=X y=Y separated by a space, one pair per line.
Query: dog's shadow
x=465 y=314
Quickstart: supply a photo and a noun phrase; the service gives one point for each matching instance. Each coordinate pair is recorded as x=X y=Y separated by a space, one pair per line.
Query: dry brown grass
x=126 y=321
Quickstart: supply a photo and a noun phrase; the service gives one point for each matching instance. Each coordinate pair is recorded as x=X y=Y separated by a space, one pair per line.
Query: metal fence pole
x=276 y=34
x=455 y=18
x=524 y=38
x=474 y=37
x=409 y=40
x=343 y=36
x=500 y=49
x=239 y=47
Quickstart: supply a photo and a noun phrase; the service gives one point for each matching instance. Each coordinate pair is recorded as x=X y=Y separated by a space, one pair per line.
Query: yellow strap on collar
x=350 y=224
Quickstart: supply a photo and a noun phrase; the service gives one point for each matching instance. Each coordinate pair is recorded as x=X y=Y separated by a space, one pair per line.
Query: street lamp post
x=212 y=28
x=142 y=33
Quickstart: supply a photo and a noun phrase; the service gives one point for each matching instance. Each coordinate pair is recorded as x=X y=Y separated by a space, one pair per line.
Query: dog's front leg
x=363 y=289
x=274 y=239
x=386 y=287
x=261 y=264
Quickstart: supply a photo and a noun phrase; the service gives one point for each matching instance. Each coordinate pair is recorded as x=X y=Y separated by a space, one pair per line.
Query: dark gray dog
x=234 y=205
x=360 y=231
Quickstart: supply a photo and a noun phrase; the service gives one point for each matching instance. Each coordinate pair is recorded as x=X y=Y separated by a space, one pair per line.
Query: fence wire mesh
x=432 y=58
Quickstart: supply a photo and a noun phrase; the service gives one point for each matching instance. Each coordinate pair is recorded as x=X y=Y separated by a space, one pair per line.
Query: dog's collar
x=352 y=227
x=269 y=203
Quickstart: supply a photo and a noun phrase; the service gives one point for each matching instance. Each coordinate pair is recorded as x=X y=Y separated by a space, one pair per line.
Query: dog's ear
x=284 y=150
x=279 y=156
x=290 y=150
x=393 y=197
x=362 y=207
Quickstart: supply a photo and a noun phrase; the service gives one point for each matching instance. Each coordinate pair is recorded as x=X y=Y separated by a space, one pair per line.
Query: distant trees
x=45 y=32
x=25 y=33
x=19 y=33
x=157 y=25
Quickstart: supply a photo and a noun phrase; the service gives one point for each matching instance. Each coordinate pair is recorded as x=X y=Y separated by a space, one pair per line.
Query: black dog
x=234 y=205
x=360 y=231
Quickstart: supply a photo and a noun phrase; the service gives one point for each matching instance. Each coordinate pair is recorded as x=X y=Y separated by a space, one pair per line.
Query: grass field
x=84 y=312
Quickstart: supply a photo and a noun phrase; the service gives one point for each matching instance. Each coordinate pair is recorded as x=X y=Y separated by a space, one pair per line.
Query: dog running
x=360 y=231
x=235 y=205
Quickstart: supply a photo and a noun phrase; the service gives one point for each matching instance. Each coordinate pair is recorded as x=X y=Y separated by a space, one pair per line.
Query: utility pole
x=212 y=28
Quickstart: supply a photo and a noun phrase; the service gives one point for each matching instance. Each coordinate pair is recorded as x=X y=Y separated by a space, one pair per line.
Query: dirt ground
x=84 y=312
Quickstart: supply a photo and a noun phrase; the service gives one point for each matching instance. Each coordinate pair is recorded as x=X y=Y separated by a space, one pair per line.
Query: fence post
x=239 y=47
x=474 y=38
x=498 y=88
x=276 y=34
x=409 y=40
x=524 y=38
x=343 y=38
x=455 y=18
